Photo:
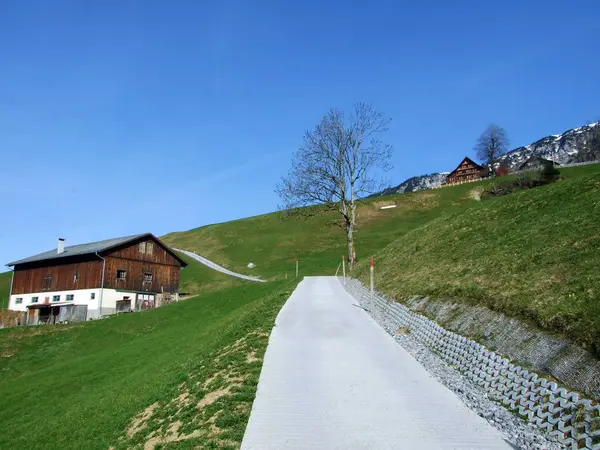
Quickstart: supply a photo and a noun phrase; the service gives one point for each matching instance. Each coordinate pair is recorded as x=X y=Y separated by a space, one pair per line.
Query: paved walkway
x=333 y=379
x=215 y=266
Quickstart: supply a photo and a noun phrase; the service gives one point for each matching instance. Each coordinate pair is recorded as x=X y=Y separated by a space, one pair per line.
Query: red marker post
x=372 y=270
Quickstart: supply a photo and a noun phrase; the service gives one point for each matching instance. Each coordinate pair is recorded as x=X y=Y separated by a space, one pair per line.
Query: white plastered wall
x=80 y=297
x=107 y=298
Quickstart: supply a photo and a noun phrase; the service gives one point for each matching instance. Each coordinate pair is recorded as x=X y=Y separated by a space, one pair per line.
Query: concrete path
x=215 y=266
x=333 y=379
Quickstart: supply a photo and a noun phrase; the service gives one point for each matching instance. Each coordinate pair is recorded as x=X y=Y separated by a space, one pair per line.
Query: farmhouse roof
x=469 y=160
x=91 y=248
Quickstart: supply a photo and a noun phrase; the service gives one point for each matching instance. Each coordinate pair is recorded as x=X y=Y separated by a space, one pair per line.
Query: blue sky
x=120 y=117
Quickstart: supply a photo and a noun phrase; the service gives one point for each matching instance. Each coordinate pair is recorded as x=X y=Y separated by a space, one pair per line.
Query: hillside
x=533 y=254
x=197 y=279
x=187 y=370
x=274 y=243
x=574 y=145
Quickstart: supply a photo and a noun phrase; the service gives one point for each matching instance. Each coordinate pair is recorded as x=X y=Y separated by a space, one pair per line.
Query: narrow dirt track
x=333 y=379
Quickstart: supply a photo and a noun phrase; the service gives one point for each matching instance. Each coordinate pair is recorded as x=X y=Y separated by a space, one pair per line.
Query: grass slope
x=533 y=254
x=186 y=371
x=274 y=243
x=511 y=253
x=185 y=374
x=197 y=279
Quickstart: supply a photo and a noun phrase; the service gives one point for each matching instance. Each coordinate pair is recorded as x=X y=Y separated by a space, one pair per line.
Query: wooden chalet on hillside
x=87 y=281
x=467 y=170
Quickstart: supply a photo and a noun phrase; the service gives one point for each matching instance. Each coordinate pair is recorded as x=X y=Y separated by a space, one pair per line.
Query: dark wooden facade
x=467 y=170
x=146 y=271
x=147 y=265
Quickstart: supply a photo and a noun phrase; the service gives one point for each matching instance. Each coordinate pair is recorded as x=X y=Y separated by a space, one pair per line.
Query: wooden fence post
x=372 y=270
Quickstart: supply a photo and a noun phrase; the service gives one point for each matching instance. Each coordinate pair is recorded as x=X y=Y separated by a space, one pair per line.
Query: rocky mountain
x=575 y=145
x=417 y=183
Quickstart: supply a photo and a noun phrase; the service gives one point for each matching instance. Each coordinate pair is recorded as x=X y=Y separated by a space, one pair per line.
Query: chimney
x=61 y=246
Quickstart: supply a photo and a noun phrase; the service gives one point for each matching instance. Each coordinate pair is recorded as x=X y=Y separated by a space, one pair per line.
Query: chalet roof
x=90 y=248
x=470 y=161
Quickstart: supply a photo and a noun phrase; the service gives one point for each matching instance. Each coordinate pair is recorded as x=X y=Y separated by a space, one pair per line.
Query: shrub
x=510 y=186
x=549 y=173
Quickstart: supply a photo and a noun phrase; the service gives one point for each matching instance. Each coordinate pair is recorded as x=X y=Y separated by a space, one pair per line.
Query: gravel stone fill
x=519 y=433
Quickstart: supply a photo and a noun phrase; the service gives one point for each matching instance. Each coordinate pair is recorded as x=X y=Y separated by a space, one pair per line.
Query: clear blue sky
x=119 y=117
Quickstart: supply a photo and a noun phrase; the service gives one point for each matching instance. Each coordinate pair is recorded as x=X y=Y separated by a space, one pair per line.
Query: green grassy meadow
x=195 y=363
x=274 y=242
x=533 y=254
x=197 y=279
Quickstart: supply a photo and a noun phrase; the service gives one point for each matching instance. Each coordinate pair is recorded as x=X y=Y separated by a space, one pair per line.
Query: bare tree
x=492 y=144
x=335 y=165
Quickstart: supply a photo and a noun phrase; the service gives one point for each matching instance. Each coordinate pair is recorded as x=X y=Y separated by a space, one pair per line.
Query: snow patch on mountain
x=562 y=148
x=419 y=183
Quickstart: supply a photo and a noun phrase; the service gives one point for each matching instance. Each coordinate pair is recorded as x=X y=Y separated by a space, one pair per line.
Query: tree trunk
x=350 y=241
x=350 y=235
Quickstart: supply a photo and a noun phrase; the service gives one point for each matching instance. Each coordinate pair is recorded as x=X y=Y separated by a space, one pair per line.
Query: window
x=121 y=274
x=56 y=298
x=147 y=277
x=92 y=296
x=18 y=300
x=47 y=282
x=70 y=297
x=146 y=247
x=34 y=299
x=76 y=277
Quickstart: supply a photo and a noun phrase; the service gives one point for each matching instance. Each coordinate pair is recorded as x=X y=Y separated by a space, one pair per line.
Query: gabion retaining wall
x=575 y=422
x=569 y=363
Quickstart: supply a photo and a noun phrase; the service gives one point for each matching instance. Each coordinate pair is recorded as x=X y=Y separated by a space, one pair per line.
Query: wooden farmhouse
x=467 y=170
x=87 y=281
